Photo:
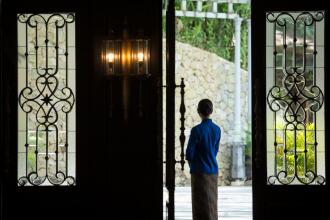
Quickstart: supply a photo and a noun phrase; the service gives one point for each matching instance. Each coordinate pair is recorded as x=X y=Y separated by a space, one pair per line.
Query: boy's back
x=203 y=147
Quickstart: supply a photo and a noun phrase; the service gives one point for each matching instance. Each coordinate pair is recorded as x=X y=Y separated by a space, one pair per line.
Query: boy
x=202 y=149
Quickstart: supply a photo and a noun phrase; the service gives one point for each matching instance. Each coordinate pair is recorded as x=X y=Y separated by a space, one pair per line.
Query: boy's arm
x=217 y=145
x=191 y=146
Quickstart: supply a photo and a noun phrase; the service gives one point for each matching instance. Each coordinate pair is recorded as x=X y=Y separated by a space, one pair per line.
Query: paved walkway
x=234 y=203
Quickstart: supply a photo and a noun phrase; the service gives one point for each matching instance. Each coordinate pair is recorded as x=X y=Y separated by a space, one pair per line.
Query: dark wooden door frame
x=170 y=107
x=9 y=108
x=89 y=176
x=1 y=114
x=272 y=202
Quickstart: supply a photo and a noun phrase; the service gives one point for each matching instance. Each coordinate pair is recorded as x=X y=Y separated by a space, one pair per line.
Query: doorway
x=212 y=60
x=102 y=155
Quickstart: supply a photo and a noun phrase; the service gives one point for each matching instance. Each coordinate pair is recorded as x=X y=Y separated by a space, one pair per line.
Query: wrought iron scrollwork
x=295 y=98
x=46 y=98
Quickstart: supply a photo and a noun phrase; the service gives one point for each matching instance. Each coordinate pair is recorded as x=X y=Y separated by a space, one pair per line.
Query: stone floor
x=234 y=203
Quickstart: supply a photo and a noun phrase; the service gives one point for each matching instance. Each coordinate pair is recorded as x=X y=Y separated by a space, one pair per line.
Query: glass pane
x=295 y=97
x=46 y=99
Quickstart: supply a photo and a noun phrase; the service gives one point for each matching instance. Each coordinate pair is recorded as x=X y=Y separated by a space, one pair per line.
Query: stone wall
x=207 y=75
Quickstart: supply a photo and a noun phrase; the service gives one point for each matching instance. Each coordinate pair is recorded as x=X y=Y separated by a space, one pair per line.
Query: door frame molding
x=170 y=108
x=264 y=196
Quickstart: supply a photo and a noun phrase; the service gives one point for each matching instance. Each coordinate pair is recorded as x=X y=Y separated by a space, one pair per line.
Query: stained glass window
x=295 y=97
x=46 y=99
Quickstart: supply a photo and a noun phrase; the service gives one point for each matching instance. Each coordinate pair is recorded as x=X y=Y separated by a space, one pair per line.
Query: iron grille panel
x=46 y=118
x=295 y=98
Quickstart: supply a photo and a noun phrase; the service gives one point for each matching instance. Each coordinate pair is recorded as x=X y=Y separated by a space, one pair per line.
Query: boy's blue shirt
x=203 y=146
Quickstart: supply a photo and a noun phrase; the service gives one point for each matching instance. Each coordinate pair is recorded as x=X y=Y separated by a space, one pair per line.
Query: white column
x=199 y=5
x=237 y=114
x=183 y=5
x=238 y=156
x=230 y=8
x=249 y=72
x=215 y=7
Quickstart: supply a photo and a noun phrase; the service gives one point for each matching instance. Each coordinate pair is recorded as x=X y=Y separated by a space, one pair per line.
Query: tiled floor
x=234 y=203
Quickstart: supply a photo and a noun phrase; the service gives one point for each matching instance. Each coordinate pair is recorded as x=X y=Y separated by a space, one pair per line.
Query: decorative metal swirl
x=293 y=99
x=47 y=99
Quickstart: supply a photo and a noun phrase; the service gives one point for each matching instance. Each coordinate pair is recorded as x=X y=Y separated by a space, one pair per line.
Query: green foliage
x=289 y=142
x=214 y=35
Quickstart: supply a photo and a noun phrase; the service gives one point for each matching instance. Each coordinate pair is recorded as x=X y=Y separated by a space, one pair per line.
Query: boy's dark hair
x=205 y=107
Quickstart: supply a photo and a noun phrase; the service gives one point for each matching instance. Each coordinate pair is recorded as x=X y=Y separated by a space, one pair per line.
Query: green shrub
x=292 y=141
